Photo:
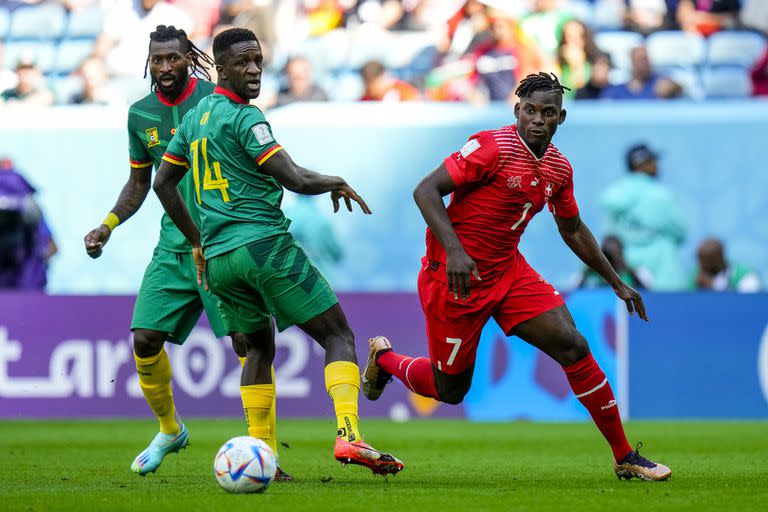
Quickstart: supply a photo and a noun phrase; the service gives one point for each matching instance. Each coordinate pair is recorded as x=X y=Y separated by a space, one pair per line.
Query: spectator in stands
x=95 y=89
x=646 y=16
x=464 y=31
x=123 y=41
x=500 y=62
x=544 y=25
x=259 y=16
x=8 y=78
x=598 y=79
x=644 y=83
x=707 y=16
x=21 y=227
x=759 y=74
x=31 y=88
x=715 y=273
x=299 y=85
x=646 y=217
x=575 y=54
x=204 y=13
x=614 y=253
x=754 y=14
x=381 y=86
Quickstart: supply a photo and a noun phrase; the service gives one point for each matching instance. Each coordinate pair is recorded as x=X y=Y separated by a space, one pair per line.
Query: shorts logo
x=153 y=138
x=515 y=182
x=468 y=148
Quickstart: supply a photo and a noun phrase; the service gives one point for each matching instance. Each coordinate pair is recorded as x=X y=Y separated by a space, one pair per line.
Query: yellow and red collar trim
x=186 y=93
x=229 y=94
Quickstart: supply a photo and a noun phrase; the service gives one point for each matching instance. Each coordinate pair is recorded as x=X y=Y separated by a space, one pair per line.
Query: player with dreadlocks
x=473 y=269
x=170 y=300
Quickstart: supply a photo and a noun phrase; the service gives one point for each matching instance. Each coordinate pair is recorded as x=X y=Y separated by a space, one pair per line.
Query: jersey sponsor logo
x=153 y=137
x=262 y=134
x=515 y=182
x=469 y=148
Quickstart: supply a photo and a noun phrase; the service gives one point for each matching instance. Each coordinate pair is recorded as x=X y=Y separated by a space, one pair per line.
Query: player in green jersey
x=254 y=266
x=170 y=301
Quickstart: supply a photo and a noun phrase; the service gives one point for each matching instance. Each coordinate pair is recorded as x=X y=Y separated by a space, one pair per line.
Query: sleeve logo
x=262 y=134
x=153 y=138
x=468 y=148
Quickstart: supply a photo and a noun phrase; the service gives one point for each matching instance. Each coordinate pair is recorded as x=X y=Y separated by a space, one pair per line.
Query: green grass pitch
x=450 y=465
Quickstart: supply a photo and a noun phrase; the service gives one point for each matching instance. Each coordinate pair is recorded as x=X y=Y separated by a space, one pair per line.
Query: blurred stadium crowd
x=94 y=51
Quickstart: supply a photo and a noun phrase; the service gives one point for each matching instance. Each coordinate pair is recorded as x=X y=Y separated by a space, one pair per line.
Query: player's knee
x=147 y=343
x=574 y=348
x=452 y=394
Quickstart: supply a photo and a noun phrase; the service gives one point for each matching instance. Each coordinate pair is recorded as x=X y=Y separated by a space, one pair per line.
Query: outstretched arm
x=303 y=181
x=130 y=200
x=579 y=238
x=429 y=195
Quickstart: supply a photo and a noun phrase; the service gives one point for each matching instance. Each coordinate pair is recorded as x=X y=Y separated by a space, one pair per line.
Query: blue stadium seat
x=42 y=53
x=735 y=48
x=71 y=53
x=4 y=22
x=65 y=88
x=326 y=52
x=607 y=15
x=405 y=47
x=369 y=45
x=726 y=82
x=618 y=45
x=345 y=86
x=582 y=9
x=132 y=89
x=44 y=21
x=675 y=48
x=690 y=80
x=87 y=22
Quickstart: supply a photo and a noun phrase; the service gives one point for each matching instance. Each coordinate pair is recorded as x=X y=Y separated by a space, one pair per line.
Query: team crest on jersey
x=548 y=190
x=153 y=138
x=515 y=182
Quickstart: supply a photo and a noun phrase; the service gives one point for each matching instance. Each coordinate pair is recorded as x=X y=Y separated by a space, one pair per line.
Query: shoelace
x=638 y=460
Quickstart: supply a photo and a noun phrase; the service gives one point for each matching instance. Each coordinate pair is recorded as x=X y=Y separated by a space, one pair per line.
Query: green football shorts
x=264 y=278
x=170 y=300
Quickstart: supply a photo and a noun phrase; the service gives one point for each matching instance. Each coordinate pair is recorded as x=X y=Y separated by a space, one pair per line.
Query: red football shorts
x=454 y=326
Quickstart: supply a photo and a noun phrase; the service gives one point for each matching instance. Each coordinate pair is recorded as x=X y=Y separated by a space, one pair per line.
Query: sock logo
x=612 y=403
x=351 y=437
x=342 y=432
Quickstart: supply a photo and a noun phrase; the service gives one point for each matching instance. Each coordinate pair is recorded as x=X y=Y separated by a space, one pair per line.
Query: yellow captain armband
x=111 y=221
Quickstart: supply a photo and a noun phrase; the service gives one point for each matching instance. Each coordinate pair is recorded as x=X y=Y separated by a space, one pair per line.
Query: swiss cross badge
x=548 y=190
x=515 y=181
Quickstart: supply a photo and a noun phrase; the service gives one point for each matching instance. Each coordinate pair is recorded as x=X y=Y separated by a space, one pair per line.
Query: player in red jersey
x=473 y=269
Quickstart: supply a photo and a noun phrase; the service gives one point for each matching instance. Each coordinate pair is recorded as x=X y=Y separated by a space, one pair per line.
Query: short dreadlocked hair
x=200 y=59
x=539 y=82
x=223 y=41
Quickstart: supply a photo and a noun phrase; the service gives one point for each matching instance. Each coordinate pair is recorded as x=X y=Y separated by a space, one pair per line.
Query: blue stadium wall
x=714 y=158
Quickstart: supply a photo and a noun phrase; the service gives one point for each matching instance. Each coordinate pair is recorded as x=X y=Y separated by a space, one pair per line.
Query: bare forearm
x=430 y=203
x=583 y=244
x=312 y=183
x=130 y=199
x=174 y=205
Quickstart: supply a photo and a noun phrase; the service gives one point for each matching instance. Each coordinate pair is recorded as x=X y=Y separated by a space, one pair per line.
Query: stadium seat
x=581 y=9
x=740 y=48
x=41 y=53
x=70 y=54
x=607 y=15
x=618 y=45
x=87 y=22
x=4 y=21
x=670 y=48
x=346 y=86
x=405 y=46
x=326 y=52
x=733 y=82
x=367 y=45
x=132 y=89
x=689 y=80
x=64 y=89
x=44 y=21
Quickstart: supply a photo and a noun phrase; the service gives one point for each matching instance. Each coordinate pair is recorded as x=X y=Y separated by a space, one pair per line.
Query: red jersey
x=500 y=186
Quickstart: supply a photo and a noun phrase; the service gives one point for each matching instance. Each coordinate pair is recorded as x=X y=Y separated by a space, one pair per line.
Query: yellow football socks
x=272 y=414
x=342 y=381
x=155 y=381
x=257 y=402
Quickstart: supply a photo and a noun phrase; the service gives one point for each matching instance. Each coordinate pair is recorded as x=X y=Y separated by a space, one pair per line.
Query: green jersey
x=225 y=140
x=152 y=121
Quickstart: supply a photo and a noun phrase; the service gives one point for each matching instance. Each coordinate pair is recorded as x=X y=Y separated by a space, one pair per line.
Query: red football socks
x=414 y=372
x=591 y=387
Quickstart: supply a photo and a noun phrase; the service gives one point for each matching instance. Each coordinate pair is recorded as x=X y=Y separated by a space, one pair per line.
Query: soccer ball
x=245 y=464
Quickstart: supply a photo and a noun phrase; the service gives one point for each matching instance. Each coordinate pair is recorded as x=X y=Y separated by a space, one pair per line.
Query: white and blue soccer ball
x=244 y=465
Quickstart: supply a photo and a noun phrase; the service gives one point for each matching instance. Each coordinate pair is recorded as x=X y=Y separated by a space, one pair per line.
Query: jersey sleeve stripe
x=140 y=165
x=176 y=160
x=268 y=154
